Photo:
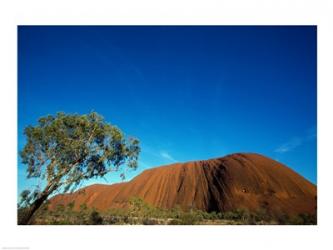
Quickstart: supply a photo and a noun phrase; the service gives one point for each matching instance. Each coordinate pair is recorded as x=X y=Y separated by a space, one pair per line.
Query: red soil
x=249 y=181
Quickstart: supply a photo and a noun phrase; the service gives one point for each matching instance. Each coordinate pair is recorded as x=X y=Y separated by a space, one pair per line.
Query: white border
x=209 y=12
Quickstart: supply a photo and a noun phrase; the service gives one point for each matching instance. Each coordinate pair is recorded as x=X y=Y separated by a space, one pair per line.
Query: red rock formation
x=249 y=181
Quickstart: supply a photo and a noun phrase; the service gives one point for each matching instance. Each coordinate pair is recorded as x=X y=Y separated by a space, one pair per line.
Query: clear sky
x=187 y=93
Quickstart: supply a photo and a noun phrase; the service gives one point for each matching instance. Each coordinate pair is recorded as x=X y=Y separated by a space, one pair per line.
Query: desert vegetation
x=142 y=213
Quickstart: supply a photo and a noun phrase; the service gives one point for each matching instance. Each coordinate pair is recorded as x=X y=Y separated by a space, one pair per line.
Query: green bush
x=303 y=219
x=70 y=206
x=83 y=207
x=190 y=218
x=175 y=212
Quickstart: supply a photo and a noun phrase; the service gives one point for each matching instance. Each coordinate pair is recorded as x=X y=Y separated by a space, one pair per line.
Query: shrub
x=304 y=219
x=95 y=218
x=148 y=221
x=176 y=212
x=190 y=218
x=283 y=219
x=83 y=207
x=232 y=215
x=113 y=220
x=126 y=220
x=60 y=208
x=262 y=215
x=209 y=216
x=138 y=207
x=70 y=206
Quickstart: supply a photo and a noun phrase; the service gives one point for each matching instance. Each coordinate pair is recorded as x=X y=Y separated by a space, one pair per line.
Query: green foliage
x=234 y=215
x=176 y=212
x=71 y=205
x=66 y=149
x=190 y=218
x=69 y=148
x=25 y=198
x=303 y=219
x=141 y=213
x=83 y=207
x=140 y=208
x=60 y=208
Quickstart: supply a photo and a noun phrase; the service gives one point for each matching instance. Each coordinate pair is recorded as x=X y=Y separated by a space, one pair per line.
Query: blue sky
x=187 y=93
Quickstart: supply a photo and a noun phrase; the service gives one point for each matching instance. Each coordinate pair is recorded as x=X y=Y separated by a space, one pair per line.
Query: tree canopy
x=65 y=149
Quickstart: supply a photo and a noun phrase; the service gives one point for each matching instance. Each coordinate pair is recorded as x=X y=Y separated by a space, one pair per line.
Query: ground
x=141 y=213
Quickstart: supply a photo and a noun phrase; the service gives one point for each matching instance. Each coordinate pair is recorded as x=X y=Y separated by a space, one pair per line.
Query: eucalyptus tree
x=63 y=150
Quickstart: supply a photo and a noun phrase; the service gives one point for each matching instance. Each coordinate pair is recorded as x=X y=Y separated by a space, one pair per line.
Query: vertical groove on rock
x=248 y=181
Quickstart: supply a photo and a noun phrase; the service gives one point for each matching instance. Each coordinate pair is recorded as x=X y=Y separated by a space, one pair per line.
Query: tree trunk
x=26 y=219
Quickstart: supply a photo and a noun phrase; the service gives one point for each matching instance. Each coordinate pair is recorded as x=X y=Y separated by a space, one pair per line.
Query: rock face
x=249 y=181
